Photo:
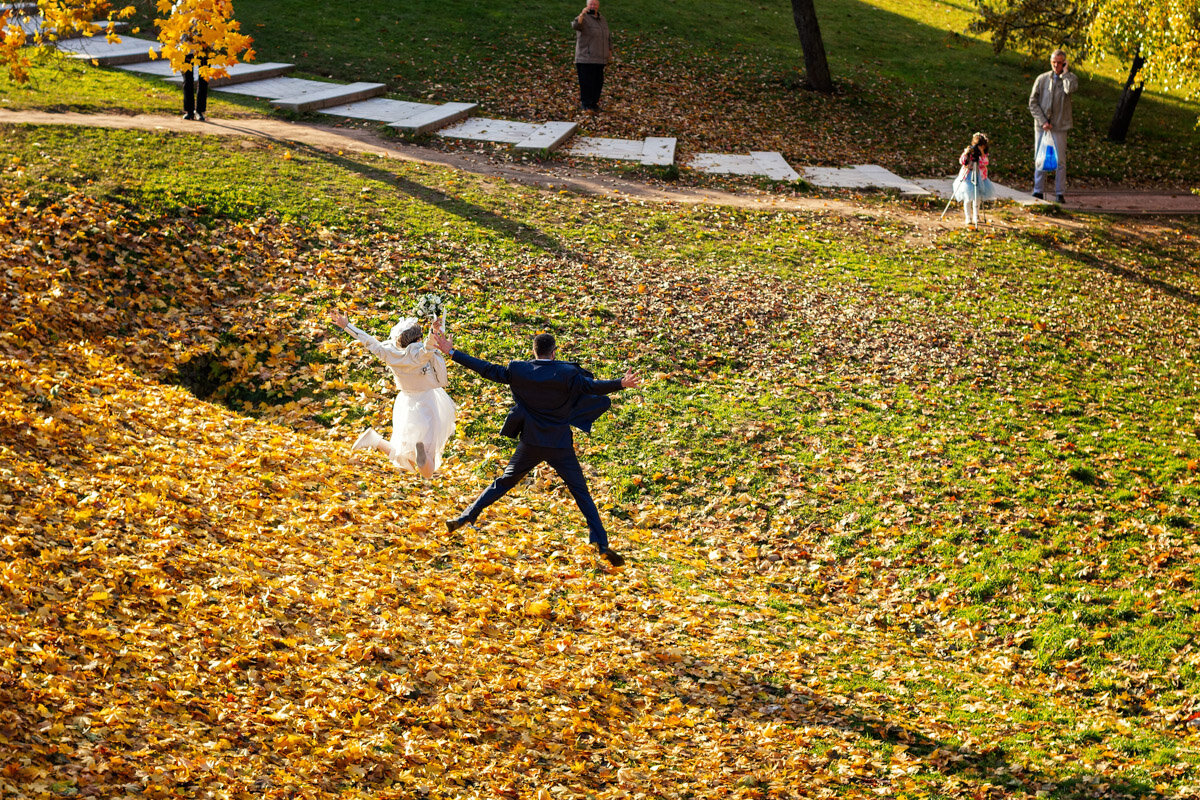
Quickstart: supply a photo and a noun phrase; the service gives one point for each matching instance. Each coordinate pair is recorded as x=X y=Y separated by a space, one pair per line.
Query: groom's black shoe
x=454 y=524
x=613 y=557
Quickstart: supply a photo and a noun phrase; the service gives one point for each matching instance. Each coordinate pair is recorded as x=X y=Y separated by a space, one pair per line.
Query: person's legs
x=591 y=76
x=1037 y=173
x=582 y=71
x=189 y=91
x=202 y=91
x=1060 y=174
x=566 y=464
x=599 y=86
x=523 y=459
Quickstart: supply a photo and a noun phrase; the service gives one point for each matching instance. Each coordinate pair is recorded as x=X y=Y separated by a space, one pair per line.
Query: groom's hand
x=631 y=380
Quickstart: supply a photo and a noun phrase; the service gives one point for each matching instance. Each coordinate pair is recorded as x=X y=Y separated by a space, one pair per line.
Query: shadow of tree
x=471 y=212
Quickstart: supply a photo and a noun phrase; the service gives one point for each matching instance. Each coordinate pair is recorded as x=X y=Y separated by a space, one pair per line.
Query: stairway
x=270 y=81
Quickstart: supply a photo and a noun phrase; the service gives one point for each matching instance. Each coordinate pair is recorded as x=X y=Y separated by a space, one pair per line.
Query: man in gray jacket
x=1050 y=104
x=593 y=49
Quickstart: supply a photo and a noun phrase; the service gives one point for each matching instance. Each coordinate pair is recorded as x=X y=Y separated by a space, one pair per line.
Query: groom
x=550 y=397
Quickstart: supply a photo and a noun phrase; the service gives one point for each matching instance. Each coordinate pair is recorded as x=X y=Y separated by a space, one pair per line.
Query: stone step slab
x=761 y=163
x=129 y=50
x=379 y=109
x=547 y=136
x=276 y=88
x=489 y=130
x=244 y=73
x=521 y=135
x=402 y=114
x=656 y=151
x=333 y=95
x=31 y=25
x=158 y=68
x=862 y=176
x=944 y=188
x=435 y=118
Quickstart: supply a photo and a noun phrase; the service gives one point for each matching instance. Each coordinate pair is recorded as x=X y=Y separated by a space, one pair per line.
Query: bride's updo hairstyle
x=406 y=331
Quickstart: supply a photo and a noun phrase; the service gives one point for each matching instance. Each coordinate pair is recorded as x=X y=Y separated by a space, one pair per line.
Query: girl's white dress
x=973 y=184
x=423 y=413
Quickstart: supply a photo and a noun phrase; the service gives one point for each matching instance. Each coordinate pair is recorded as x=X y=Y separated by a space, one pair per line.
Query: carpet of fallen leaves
x=196 y=602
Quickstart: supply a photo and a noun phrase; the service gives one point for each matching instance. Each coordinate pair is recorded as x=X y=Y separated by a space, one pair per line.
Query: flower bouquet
x=430 y=307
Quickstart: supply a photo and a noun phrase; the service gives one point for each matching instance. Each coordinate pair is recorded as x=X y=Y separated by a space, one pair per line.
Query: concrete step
x=862 y=176
x=765 y=164
x=129 y=50
x=276 y=88
x=489 y=130
x=403 y=114
x=31 y=24
x=158 y=68
x=435 y=118
x=654 y=151
x=521 y=135
x=944 y=188
x=548 y=136
x=245 y=73
x=336 y=94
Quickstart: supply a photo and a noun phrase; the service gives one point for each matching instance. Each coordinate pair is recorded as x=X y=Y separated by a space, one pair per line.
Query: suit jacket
x=550 y=397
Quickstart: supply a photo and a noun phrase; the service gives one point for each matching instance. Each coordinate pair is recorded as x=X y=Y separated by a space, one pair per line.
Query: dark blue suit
x=550 y=396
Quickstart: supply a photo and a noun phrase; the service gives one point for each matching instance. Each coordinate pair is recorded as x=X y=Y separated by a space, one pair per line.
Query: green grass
x=990 y=439
x=720 y=76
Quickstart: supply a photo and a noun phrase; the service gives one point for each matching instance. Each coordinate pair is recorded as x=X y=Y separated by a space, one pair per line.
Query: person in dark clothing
x=550 y=397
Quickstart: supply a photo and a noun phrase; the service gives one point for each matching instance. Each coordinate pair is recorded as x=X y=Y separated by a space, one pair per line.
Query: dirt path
x=557 y=177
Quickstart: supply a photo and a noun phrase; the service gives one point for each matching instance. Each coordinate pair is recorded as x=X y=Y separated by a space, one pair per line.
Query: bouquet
x=430 y=306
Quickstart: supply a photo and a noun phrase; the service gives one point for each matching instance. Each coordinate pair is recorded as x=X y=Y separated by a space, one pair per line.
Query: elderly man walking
x=593 y=49
x=1050 y=104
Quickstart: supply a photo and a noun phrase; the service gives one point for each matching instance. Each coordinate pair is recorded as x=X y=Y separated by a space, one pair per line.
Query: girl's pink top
x=983 y=162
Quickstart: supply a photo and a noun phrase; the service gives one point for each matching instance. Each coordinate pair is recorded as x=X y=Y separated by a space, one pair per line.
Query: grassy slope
x=910 y=519
x=721 y=76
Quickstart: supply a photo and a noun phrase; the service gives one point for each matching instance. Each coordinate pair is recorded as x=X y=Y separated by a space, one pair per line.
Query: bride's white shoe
x=369 y=440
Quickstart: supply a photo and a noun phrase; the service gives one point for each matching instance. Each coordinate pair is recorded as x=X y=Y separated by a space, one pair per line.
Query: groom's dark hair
x=543 y=345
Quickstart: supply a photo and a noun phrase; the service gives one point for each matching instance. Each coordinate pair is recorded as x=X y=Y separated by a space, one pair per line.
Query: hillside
x=906 y=517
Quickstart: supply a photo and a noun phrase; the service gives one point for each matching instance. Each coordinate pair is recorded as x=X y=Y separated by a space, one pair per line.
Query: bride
x=423 y=415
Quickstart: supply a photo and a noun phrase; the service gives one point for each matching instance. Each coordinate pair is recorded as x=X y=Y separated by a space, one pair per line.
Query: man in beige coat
x=593 y=49
x=1050 y=104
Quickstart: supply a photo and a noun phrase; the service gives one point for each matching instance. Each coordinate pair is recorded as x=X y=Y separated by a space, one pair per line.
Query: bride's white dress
x=423 y=414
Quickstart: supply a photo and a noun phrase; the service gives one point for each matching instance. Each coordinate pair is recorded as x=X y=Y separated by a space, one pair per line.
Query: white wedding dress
x=423 y=414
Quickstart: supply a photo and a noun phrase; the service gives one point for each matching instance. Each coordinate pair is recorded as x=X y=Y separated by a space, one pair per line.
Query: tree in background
x=202 y=32
x=816 y=68
x=24 y=34
x=1159 y=39
x=193 y=28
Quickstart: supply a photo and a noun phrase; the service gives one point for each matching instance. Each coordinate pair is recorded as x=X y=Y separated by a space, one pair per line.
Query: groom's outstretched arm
x=493 y=372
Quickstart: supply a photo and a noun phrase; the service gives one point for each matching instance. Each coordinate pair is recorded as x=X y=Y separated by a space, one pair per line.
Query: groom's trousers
x=566 y=464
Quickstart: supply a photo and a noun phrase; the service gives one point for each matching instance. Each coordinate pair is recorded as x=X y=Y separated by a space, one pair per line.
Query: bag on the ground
x=1047 y=156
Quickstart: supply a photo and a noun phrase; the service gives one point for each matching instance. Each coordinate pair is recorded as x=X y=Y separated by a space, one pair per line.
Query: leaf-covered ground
x=904 y=518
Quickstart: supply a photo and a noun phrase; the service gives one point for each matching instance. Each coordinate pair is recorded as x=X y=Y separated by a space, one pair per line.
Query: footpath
x=364 y=101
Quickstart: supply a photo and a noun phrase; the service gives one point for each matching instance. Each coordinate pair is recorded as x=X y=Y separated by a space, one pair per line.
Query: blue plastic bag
x=1047 y=156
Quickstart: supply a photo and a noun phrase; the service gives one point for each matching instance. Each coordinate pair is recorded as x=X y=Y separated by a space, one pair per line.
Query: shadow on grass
x=1117 y=271
x=468 y=211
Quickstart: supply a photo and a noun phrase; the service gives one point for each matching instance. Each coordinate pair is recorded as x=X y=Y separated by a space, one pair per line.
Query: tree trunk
x=1128 y=102
x=816 y=68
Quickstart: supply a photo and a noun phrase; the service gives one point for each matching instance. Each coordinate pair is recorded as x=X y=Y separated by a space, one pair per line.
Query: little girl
x=972 y=185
